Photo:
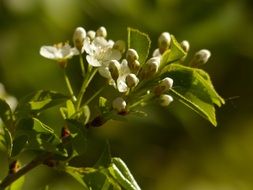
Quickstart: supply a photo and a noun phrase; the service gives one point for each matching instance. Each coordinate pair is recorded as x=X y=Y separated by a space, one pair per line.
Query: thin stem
x=9 y=179
x=81 y=64
x=94 y=95
x=69 y=86
x=85 y=84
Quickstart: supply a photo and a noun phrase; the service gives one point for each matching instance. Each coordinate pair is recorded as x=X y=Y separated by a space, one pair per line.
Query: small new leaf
x=173 y=54
x=140 y=42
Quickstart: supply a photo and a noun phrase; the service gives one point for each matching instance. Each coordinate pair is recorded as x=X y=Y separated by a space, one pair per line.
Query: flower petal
x=104 y=72
x=48 y=52
x=92 y=61
x=121 y=85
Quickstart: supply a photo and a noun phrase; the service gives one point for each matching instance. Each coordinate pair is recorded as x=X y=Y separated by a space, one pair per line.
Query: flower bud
x=120 y=45
x=65 y=132
x=91 y=34
x=156 y=53
x=131 y=55
x=78 y=37
x=101 y=32
x=132 y=80
x=134 y=66
x=200 y=58
x=14 y=167
x=185 y=45
x=119 y=104
x=164 y=42
x=150 y=67
x=163 y=86
x=114 y=67
x=165 y=100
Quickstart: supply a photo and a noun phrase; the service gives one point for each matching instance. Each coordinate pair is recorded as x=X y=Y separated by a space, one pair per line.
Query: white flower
x=100 y=51
x=123 y=72
x=59 y=52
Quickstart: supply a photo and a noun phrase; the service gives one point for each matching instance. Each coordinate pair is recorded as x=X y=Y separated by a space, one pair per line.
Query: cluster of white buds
x=119 y=104
x=150 y=68
x=200 y=58
x=132 y=59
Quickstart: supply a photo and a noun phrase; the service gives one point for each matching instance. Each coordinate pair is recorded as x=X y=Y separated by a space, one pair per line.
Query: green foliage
x=194 y=88
x=40 y=101
x=140 y=42
x=6 y=114
x=32 y=134
x=17 y=185
x=175 y=53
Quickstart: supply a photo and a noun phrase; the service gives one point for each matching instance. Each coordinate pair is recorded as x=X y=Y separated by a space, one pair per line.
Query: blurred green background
x=173 y=148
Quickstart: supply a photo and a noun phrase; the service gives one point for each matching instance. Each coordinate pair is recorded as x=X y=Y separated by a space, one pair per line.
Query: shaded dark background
x=173 y=148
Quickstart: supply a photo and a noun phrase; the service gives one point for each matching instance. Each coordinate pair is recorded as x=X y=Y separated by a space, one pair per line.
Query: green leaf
x=103 y=105
x=140 y=42
x=6 y=140
x=77 y=175
x=18 y=184
x=32 y=134
x=69 y=110
x=105 y=158
x=82 y=115
x=40 y=101
x=6 y=113
x=125 y=171
x=121 y=176
x=89 y=178
x=78 y=138
x=194 y=88
x=173 y=54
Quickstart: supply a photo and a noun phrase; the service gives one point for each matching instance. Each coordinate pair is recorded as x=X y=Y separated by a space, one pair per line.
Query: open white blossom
x=59 y=52
x=123 y=72
x=100 y=51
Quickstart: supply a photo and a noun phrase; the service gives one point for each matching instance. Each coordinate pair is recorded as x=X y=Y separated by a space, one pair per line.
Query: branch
x=9 y=179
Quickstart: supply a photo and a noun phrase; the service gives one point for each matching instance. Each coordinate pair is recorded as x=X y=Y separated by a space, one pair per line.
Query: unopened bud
x=114 y=67
x=200 y=58
x=91 y=34
x=185 y=45
x=65 y=132
x=163 y=86
x=101 y=32
x=14 y=167
x=134 y=66
x=151 y=67
x=156 y=53
x=165 y=100
x=120 y=45
x=119 y=104
x=132 y=80
x=164 y=42
x=131 y=55
x=78 y=37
